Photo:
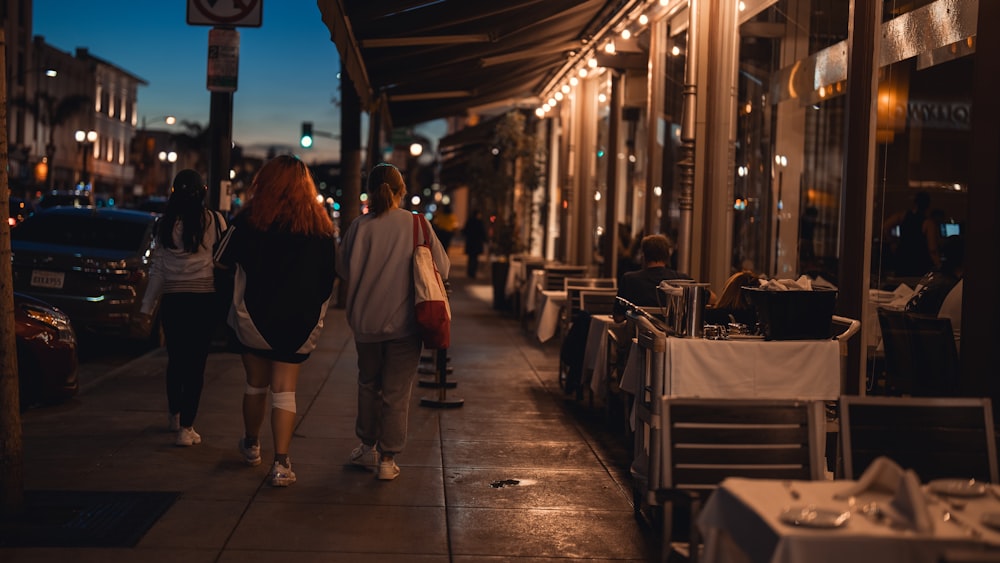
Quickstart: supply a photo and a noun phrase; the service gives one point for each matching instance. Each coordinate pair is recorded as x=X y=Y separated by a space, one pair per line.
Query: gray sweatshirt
x=377 y=262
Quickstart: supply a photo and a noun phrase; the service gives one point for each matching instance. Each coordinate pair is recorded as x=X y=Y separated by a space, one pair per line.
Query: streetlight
x=168 y=119
x=171 y=157
x=86 y=139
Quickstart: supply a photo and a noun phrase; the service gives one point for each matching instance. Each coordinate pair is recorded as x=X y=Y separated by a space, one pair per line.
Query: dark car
x=46 y=352
x=91 y=262
x=68 y=199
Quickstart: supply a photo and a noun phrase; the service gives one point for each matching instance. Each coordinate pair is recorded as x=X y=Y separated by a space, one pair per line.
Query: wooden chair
x=555 y=276
x=704 y=441
x=573 y=286
x=598 y=301
x=936 y=437
x=921 y=358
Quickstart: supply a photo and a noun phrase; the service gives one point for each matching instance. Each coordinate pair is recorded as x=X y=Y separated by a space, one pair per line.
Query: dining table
x=595 y=354
x=549 y=305
x=776 y=521
x=737 y=368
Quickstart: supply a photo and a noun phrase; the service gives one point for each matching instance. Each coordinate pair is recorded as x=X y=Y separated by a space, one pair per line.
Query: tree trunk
x=11 y=453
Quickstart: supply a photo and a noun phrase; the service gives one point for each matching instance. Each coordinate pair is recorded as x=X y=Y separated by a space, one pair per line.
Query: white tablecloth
x=785 y=369
x=595 y=355
x=532 y=290
x=740 y=523
x=517 y=272
x=551 y=303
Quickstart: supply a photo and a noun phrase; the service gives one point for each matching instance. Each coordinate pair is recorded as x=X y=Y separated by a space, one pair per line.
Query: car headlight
x=55 y=319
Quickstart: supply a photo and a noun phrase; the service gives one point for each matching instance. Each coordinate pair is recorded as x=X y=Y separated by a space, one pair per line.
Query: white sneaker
x=187 y=437
x=365 y=456
x=251 y=455
x=281 y=475
x=387 y=470
x=174 y=422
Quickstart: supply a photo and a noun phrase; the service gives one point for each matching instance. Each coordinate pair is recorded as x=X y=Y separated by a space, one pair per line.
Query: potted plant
x=500 y=178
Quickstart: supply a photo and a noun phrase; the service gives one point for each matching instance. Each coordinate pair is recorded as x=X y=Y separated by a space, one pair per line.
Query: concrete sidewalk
x=572 y=499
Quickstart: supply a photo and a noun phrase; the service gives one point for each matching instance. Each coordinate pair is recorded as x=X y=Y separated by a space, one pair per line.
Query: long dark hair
x=188 y=207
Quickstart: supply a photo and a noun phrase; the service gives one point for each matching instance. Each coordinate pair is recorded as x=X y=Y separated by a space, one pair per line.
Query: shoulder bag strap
x=416 y=233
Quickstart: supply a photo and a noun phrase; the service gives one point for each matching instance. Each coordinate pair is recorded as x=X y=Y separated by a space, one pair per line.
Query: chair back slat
x=741 y=434
x=706 y=480
x=935 y=437
x=754 y=455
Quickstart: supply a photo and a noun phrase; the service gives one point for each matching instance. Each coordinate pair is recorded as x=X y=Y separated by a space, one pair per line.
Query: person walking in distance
x=181 y=278
x=475 y=235
x=377 y=263
x=283 y=249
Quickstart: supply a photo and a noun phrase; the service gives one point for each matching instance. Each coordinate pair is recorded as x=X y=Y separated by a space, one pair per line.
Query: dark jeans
x=189 y=321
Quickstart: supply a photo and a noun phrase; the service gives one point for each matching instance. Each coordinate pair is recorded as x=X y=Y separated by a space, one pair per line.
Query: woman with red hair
x=283 y=247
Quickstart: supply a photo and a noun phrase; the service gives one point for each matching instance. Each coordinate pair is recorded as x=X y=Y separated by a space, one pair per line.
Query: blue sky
x=287 y=68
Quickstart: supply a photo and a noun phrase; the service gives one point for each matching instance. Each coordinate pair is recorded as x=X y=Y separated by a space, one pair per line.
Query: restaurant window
x=923 y=122
x=603 y=150
x=791 y=88
x=668 y=133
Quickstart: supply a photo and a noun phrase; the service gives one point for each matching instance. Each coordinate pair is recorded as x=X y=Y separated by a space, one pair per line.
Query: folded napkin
x=910 y=504
x=908 y=507
x=882 y=476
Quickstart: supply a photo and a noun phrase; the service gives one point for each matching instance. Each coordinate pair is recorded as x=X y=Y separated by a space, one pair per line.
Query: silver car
x=91 y=262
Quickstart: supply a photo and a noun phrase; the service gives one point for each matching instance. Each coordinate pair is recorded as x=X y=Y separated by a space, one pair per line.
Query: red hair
x=283 y=194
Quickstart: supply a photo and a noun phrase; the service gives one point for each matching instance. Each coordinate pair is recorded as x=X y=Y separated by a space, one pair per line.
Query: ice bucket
x=685 y=307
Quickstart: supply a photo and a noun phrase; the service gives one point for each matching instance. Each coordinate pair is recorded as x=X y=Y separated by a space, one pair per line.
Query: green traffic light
x=306 y=139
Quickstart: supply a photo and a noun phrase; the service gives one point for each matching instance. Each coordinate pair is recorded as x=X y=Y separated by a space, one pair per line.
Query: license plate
x=51 y=280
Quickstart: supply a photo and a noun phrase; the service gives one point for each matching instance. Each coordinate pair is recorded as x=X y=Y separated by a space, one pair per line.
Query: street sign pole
x=223 y=71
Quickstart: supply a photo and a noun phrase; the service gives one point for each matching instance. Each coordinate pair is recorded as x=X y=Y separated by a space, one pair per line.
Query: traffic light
x=306 y=140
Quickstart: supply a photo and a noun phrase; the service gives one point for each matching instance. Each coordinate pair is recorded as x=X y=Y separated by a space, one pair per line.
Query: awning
x=432 y=59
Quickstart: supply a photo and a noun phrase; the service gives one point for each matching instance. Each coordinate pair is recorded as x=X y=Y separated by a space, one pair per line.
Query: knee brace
x=251 y=390
x=284 y=401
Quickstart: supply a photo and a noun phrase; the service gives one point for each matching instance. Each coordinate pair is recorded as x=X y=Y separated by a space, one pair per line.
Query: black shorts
x=273 y=355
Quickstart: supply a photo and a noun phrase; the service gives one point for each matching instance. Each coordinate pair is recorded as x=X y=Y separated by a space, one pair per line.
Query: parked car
x=71 y=199
x=91 y=262
x=46 y=352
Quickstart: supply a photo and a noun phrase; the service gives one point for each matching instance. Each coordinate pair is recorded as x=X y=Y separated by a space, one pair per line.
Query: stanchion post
x=442 y=401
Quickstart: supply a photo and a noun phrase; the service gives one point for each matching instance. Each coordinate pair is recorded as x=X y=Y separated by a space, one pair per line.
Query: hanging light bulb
x=609 y=48
x=558 y=96
x=643 y=19
x=565 y=88
x=573 y=81
x=592 y=62
x=626 y=34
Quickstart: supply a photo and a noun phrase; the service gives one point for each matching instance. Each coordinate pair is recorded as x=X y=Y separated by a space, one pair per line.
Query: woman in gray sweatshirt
x=377 y=263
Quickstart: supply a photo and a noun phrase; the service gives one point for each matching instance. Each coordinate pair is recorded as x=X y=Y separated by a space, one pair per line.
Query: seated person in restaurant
x=732 y=306
x=932 y=289
x=638 y=287
x=641 y=287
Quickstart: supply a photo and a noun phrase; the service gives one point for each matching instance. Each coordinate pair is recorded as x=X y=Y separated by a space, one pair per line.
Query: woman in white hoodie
x=182 y=272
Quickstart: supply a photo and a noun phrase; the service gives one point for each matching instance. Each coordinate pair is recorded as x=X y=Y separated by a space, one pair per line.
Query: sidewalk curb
x=97 y=381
